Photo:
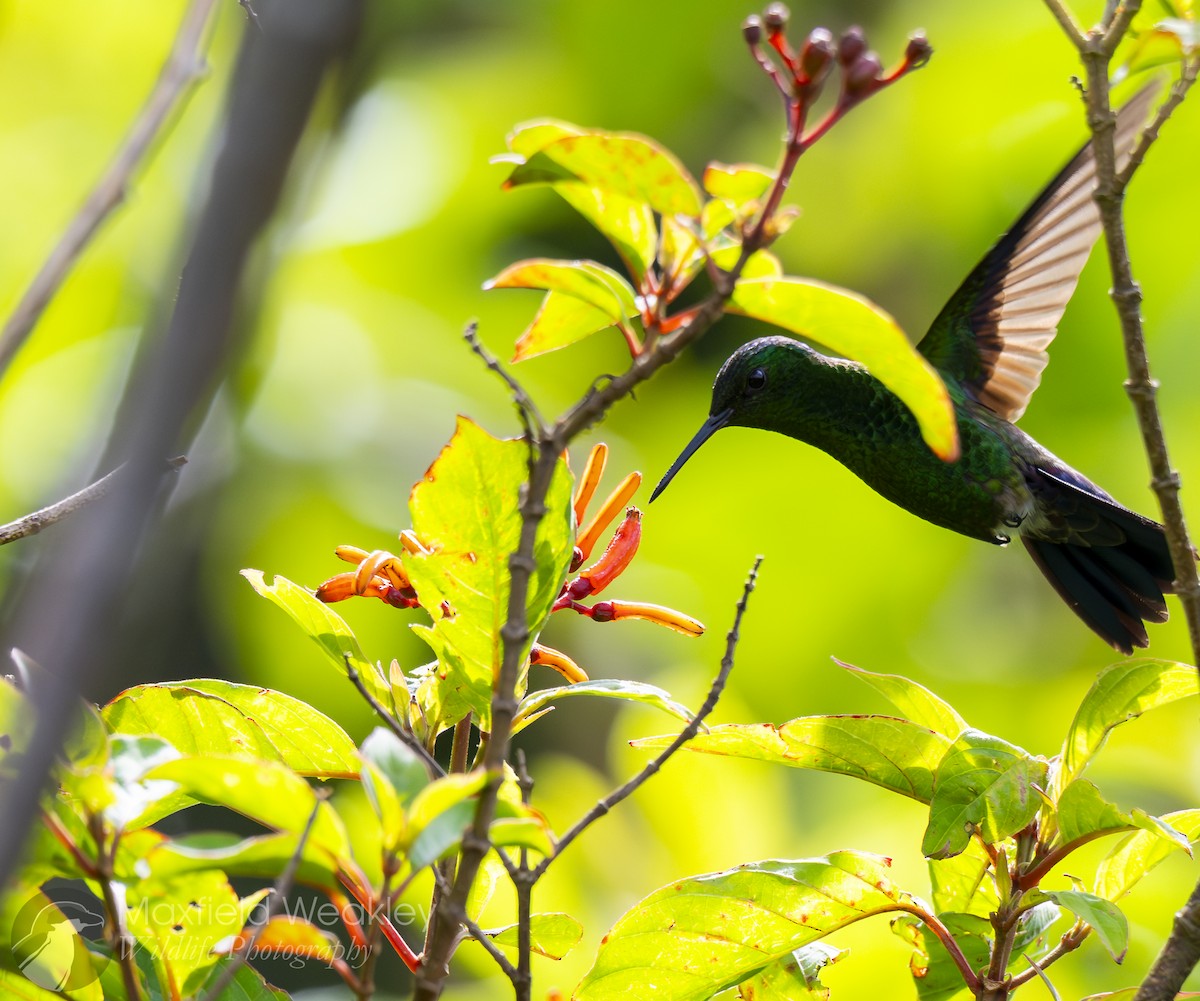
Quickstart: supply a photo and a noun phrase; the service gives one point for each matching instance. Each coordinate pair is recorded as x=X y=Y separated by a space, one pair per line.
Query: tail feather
x=1109 y=606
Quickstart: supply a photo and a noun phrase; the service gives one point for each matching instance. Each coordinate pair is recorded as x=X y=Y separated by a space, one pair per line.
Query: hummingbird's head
x=747 y=391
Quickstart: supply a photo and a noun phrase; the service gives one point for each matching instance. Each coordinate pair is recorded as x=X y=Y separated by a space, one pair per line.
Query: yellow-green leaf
x=857 y=329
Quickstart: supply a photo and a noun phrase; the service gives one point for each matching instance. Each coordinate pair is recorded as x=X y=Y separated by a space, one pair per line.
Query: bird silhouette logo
x=49 y=942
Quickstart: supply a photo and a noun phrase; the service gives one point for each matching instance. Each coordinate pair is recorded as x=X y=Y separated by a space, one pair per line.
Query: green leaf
x=609 y=688
x=857 y=329
x=796 y=978
x=598 y=286
x=964 y=882
x=179 y=921
x=915 y=702
x=265 y=791
x=934 y=972
x=1136 y=854
x=985 y=784
x=552 y=935
x=1122 y=692
x=739 y=183
x=700 y=935
x=560 y=321
x=627 y=164
x=247 y=984
x=204 y=716
x=1083 y=813
x=263 y=856
x=327 y=629
x=18 y=987
x=893 y=753
x=134 y=792
x=465 y=510
x=406 y=772
x=1104 y=916
x=628 y=223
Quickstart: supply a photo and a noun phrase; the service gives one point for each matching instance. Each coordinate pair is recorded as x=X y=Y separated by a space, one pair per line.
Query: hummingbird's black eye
x=756 y=380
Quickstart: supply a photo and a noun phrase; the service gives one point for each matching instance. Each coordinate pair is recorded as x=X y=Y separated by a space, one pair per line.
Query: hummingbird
x=1108 y=563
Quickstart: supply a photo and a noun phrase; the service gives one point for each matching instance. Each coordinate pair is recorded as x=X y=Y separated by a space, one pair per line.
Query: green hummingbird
x=1108 y=563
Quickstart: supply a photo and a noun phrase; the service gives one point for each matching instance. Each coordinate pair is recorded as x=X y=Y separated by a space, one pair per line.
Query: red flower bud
x=615 y=558
x=817 y=54
x=776 y=17
x=862 y=75
x=918 y=51
x=752 y=29
x=852 y=45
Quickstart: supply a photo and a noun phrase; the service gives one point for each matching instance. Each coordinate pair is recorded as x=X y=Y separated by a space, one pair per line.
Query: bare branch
x=1071 y=28
x=530 y=418
x=1150 y=134
x=34 y=522
x=283 y=886
x=184 y=66
x=686 y=734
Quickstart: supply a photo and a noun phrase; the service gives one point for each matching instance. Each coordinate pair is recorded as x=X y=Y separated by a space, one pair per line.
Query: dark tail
x=1112 y=566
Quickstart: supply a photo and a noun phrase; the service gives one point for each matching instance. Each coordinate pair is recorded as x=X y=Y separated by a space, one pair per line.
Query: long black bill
x=710 y=427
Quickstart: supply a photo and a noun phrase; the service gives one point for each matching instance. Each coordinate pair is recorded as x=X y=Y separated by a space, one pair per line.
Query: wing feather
x=993 y=333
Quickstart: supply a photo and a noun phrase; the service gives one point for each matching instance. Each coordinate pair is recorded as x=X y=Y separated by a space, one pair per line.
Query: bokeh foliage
x=358 y=370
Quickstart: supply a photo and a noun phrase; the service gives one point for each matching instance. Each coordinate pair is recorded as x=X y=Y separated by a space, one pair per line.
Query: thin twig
x=184 y=65
x=1181 y=951
x=1150 y=134
x=686 y=734
x=1071 y=28
x=34 y=522
x=408 y=739
x=120 y=940
x=274 y=900
x=477 y=933
x=530 y=417
x=1072 y=939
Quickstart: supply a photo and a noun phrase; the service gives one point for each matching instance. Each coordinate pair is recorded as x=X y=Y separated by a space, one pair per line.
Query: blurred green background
x=357 y=370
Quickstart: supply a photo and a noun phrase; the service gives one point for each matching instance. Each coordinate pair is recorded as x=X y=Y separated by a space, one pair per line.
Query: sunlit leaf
x=1104 y=916
x=628 y=164
x=560 y=321
x=527 y=138
x=609 y=688
x=288 y=936
x=964 y=883
x=465 y=509
x=915 y=702
x=934 y=972
x=263 y=856
x=406 y=772
x=628 y=223
x=1082 y=810
x=326 y=628
x=1122 y=692
x=592 y=283
x=200 y=909
x=739 y=183
x=134 y=792
x=203 y=716
x=1136 y=854
x=857 y=329
x=700 y=935
x=796 y=978
x=985 y=784
x=265 y=791
x=551 y=935
x=889 y=752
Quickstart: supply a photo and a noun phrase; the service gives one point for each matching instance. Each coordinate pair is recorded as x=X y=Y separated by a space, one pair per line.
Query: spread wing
x=993 y=333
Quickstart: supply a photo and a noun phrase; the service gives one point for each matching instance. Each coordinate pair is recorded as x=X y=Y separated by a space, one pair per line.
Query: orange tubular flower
x=597 y=460
x=616 y=557
x=586 y=540
x=609 y=611
x=544 y=656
